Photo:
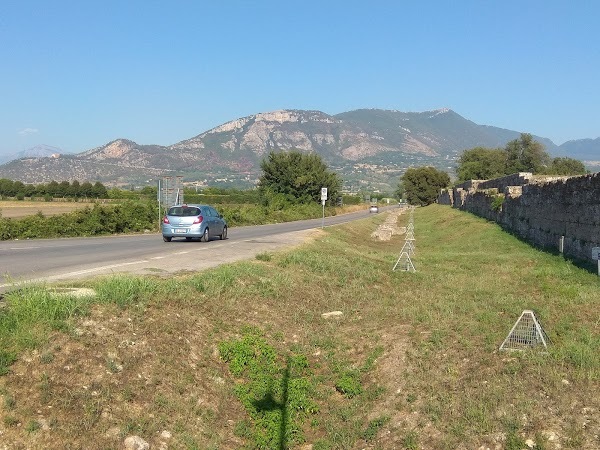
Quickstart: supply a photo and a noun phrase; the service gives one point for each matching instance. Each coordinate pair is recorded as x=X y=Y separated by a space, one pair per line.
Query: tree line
x=64 y=189
x=421 y=186
x=520 y=155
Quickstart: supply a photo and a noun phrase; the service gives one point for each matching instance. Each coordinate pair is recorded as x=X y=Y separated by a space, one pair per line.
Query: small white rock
x=136 y=443
x=550 y=435
x=332 y=314
x=165 y=434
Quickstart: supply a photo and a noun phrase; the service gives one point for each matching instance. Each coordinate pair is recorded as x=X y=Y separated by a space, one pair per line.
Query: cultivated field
x=17 y=209
x=241 y=356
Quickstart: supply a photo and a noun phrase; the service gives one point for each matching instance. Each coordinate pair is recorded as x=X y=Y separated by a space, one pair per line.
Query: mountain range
x=39 y=151
x=370 y=148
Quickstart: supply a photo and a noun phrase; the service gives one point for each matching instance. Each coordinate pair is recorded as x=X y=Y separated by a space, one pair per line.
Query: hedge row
x=134 y=216
x=99 y=219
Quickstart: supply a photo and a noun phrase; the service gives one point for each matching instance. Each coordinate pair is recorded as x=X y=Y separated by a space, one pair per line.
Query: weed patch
x=374 y=426
x=277 y=396
x=349 y=384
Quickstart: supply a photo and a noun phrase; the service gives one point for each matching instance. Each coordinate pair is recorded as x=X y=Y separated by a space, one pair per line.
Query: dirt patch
x=119 y=375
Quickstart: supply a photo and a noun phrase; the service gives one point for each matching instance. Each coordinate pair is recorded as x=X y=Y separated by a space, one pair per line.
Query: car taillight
x=198 y=219
x=166 y=219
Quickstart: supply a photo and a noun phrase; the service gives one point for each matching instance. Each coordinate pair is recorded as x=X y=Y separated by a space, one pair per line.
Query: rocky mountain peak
x=363 y=144
x=116 y=149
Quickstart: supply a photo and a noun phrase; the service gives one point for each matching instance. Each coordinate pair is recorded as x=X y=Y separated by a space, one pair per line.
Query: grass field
x=241 y=357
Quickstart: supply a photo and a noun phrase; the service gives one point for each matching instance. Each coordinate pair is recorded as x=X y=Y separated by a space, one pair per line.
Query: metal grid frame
x=527 y=332
x=405 y=263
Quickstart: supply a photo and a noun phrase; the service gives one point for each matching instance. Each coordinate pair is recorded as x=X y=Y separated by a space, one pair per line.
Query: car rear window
x=184 y=211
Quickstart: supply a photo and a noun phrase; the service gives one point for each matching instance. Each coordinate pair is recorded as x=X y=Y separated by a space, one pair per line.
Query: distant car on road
x=193 y=221
x=374 y=209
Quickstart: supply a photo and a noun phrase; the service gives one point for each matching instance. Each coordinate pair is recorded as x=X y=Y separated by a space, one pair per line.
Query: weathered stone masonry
x=539 y=209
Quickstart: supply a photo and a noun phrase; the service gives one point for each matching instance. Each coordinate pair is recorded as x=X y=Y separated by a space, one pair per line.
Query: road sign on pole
x=323 y=199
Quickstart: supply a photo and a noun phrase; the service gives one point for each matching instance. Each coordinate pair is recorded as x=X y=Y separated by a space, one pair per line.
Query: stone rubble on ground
x=136 y=443
x=389 y=227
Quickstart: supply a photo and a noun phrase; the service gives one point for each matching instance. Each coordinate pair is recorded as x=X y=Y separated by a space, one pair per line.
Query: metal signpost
x=323 y=199
x=596 y=257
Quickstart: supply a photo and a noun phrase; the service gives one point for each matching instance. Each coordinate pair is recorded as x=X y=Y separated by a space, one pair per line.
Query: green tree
x=19 y=186
x=86 y=189
x=29 y=190
x=99 y=190
x=52 y=188
x=526 y=155
x=7 y=187
x=150 y=191
x=74 y=189
x=63 y=189
x=566 y=166
x=296 y=177
x=422 y=184
x=481 y=163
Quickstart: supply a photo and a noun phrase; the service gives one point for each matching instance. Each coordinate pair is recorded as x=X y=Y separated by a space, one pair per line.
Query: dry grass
x=17 y=209
x=422 y=348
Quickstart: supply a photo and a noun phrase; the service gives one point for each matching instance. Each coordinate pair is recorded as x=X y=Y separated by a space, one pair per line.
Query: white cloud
x=27 y=131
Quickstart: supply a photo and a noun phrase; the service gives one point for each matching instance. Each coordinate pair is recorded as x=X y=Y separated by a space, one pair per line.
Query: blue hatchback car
x=193 y=221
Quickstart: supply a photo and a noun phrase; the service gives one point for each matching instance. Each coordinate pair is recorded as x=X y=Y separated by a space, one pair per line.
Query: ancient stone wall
x=542 y=210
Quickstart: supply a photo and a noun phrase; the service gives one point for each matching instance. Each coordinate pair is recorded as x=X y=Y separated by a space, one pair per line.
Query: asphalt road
x=71 y=258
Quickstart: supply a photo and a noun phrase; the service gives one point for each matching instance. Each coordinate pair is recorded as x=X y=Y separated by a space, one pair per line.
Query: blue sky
x=79 y=74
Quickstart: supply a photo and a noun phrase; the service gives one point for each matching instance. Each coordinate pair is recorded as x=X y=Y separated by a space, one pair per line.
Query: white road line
x=95 y=269
x=80 y=272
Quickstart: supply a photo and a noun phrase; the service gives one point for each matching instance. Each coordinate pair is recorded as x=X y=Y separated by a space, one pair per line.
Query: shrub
x=349 y=384
x=497 y=203
x=263 y=391
x=127 y=217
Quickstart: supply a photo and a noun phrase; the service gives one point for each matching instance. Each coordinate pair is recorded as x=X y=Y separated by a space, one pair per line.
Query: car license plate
x=180 y=230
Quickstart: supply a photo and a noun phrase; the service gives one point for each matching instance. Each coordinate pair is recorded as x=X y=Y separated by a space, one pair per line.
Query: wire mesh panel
x=404 y=263
x=171 y=191
x=526 y=333
x=408 y=247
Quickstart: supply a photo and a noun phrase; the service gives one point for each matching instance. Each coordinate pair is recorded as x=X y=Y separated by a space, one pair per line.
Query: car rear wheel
x=167 y=238
x=205 y=235
x=224 y=234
